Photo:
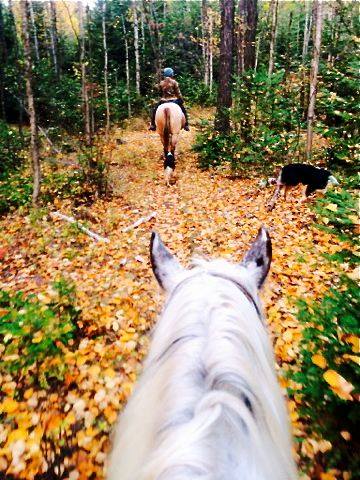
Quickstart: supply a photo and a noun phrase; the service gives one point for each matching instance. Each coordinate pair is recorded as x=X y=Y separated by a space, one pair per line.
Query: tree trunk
x=54 y=38
x=307 y=30
x=24 y=6
x=18 y=73
x=250 y=33
x=34 y=29
x=127 y=68
x=257 y=51
x=205 y=39
x=106 y=88
x=90 y=76
x=240 y=37
x=154 y=35
x=222 y=120
x=3 y=56
x=287 y=54
x=211 y=49
x=274 y=12
x=136 y=46
x=318 y=18
x=84 y=86
x=246 y=35
x=142 y=19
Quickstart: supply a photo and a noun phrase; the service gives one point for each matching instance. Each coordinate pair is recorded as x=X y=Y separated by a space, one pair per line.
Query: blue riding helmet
x=168 y=72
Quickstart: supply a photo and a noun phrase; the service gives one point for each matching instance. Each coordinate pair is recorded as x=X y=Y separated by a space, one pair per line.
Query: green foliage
x=331 y=326
x=195 y=92
x=15 y=191
x=338 y=210
x=33 y=331
x=63 y=184
x=266 y=125
x=94 y=171
x=332 y=329
x=58 y=102
x=340 y=113
x=215 y=149
x=11 y=149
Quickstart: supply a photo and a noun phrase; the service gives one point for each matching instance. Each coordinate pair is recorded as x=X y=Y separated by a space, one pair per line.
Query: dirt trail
x=202 y=213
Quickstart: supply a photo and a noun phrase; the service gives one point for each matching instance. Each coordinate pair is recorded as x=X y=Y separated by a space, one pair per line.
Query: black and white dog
x=313 y=178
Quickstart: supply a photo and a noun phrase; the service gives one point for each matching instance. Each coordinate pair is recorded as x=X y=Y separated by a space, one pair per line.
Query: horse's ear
x=164 y=264
x=258 y=258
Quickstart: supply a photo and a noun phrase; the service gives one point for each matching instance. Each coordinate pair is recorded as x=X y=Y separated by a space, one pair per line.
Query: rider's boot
x=186 y=127
x=152 y=127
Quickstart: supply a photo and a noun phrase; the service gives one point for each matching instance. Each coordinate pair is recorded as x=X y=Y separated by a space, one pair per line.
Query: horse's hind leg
x=174 y=140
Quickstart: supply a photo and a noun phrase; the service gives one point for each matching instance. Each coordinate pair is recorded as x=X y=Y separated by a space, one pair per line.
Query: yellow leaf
x=319 y=360
x=354 y=218
x=19 y=434
x=287 y=336
x=37 y=337
x=354 y=358
x=331 y=206
x=339 y=385
x=94 y=371
x=354 y=341
x=346 y=435
x=9 y=405
x=28 y=393
x=327 y=476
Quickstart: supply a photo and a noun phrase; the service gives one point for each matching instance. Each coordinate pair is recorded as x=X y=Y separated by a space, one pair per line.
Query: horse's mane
x=214 y=406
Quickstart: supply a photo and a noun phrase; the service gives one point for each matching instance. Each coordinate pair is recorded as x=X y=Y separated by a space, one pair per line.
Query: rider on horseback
x=170 y=92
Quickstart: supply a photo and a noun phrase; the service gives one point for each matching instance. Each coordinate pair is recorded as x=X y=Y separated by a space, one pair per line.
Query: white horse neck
x=211 y=408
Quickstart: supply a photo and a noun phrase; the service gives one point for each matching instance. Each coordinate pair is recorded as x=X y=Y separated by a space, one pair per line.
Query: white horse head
x=208 y=405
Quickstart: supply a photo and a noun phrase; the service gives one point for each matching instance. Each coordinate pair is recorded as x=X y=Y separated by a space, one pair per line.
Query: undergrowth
x=34 y=330
x=328 y=368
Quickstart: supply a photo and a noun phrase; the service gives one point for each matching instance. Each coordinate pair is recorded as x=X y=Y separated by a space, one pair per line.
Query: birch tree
x=274 y=16
x=222 y=119
x=205 y=39
x=54 y=37
x=136 y=46
x=34 y=140
x=150 y=17
x=318 y=19
x=3 y=55
x=307 y=31
x=84 y=86
x=106 y=87
x=34 y=30
x=211 y=49
x=127 y=67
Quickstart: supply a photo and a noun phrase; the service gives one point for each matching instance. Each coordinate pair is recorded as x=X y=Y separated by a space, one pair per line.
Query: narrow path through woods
x=203 y=213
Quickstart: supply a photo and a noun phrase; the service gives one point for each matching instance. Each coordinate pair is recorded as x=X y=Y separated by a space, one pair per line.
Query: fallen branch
x=94 y=236
x=139 y=222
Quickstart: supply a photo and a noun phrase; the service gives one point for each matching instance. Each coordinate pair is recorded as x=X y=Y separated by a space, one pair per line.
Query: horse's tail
x=167 y=129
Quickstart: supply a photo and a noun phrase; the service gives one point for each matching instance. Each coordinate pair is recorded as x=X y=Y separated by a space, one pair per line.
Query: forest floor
x=203 y=213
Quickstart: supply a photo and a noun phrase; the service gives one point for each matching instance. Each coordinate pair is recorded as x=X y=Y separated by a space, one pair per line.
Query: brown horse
x=169 y=120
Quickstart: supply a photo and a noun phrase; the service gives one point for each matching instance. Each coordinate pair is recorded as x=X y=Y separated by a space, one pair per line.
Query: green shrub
x=15 y=191
x=331 y=331
x=338 y=210
x=330 y=345
x=196 y=92
x=215 y=149
x=11 y=149
x=32 y=331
